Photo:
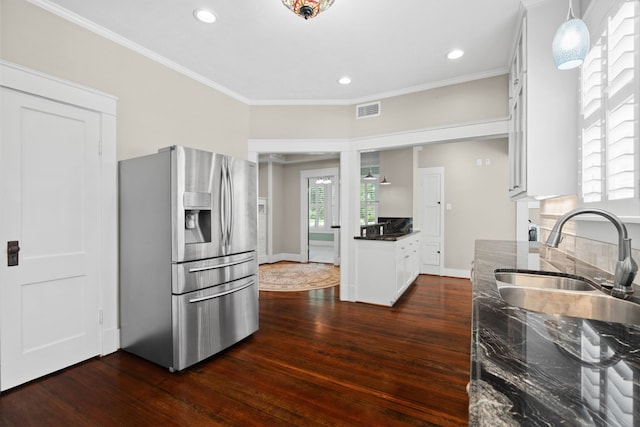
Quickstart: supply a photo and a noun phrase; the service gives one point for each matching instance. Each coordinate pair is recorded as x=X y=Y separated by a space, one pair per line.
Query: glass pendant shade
x=571 y=43
x=307 y=8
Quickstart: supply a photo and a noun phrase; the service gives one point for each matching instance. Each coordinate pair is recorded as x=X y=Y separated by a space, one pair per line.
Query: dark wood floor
x=315 y=361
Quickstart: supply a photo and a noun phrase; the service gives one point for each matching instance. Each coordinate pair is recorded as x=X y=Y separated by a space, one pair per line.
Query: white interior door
x=50 y=204
x=431 y=182
x=326 y=251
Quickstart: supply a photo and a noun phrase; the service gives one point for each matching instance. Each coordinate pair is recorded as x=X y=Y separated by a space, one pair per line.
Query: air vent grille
x=368 y=110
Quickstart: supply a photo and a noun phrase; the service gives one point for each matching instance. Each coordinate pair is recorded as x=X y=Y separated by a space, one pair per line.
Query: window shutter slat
x=609 y=111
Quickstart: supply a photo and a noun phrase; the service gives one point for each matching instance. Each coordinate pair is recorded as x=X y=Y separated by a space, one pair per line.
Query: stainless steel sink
x=544 y=280
x=564 y=295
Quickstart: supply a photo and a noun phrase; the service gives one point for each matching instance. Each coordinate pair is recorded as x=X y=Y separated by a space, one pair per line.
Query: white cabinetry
x=386 y=268
x=262 y=228
x=517 y=117
x=543 y=109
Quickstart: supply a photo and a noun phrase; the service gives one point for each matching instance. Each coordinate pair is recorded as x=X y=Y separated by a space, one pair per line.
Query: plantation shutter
x=609 y=113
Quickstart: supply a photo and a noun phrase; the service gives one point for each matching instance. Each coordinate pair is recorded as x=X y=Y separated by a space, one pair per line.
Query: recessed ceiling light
x=455 y=54
x=344 y=80
x=204 y=15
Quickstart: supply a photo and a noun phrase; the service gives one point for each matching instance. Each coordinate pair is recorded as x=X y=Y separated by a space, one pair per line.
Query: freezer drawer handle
x=221 y=294
x=227 y=264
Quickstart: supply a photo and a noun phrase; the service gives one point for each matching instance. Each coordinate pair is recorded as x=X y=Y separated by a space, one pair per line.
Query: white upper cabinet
x=543 y=105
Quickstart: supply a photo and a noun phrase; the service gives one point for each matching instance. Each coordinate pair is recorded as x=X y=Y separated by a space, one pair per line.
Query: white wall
x=278 y=209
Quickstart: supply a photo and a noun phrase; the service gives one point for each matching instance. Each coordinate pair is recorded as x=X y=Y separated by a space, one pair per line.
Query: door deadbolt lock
x=12 y=253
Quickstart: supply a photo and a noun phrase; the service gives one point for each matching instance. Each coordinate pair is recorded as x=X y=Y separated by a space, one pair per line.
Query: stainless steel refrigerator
x=188 y=262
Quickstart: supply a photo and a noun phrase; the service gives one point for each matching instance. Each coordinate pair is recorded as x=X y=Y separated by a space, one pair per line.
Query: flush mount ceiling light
x=326 y=180
x=571 y=42
x=204 y=15
x=323 y=180
x=455 y=54
x=344 y=80
x=307 y=8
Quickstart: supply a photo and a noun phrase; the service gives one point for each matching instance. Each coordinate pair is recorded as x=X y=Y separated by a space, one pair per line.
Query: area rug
x=293 y=276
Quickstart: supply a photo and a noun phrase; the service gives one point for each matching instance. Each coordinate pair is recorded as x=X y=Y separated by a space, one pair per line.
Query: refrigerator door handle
x=223 y=203
x=221 y=294
x=230 y=206
x=227 y=264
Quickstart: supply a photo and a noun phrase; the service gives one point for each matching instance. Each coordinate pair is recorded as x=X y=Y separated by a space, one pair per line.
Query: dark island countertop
x=388 y=237
x=534 y=369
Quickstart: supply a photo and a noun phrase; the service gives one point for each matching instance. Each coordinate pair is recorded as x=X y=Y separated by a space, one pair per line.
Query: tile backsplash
x=598 y=254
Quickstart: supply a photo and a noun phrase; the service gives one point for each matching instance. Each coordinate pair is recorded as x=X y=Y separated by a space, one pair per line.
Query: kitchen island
x=387 y=265
x=530 y=368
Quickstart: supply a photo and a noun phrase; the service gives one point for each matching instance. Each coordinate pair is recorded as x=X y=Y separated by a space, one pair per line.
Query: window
x=316 y=206
x=368 y=200
x=609 y=113
x=322 y=204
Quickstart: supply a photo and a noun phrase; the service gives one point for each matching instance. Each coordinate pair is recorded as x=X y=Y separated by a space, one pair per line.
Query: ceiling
x=259 y=52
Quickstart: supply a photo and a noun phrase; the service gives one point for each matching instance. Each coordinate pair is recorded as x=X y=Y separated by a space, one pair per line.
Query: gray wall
x=477 y=100
x=481 y=208
x=396 y=199
x=300 y=122
x=157 y=106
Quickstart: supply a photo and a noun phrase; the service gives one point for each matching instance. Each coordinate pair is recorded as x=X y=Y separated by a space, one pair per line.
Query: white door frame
x=33 y=82
x=420 y=172
x=304 y=206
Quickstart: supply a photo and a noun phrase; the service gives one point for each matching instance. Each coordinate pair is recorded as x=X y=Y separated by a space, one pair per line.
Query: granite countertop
x=386 y=237
x=534 y=369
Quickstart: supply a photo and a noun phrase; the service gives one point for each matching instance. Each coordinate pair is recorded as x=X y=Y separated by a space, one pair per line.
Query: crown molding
x=382 y=95
x=122 y=41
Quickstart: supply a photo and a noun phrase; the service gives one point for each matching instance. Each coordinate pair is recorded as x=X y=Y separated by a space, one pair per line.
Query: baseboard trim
x=270 y=259
x=320 y=243
x=110 y=341
x=452 y=272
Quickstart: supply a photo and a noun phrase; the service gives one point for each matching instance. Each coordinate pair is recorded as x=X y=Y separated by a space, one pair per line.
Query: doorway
x=320 y=215
x=431 y=212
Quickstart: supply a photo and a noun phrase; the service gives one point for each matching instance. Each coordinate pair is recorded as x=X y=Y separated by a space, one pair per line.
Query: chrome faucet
x=626 y=267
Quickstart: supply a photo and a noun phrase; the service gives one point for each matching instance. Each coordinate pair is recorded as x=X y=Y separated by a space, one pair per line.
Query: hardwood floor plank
x=316 y=361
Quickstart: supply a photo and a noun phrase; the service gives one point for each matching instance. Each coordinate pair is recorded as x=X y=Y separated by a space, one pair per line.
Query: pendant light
x=369 y=176
x=384 y=181
x=571 y=42
x=307 y=8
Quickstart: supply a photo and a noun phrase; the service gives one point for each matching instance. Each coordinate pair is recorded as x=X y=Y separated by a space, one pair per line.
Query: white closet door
x=50 y=204
x=430 y=210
